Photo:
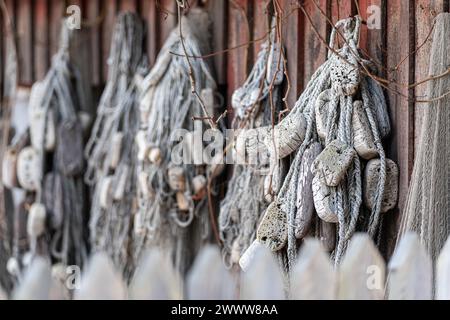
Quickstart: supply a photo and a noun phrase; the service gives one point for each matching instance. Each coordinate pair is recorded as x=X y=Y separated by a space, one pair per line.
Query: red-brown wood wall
x=405 y=26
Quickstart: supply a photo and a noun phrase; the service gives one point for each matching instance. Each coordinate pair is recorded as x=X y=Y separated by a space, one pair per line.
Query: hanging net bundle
x=254 y=183
x=340 y=172
x=173 y=211
x=427 y=210
x=47 y=163
x=111 y=151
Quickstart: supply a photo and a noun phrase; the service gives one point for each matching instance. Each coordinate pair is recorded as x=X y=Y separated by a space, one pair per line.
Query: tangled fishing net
x=8 y=80
x=111 y=151
x=335 y=128
x=172 y=192
x=252 y=185
x=47 y=163
x=428 y=203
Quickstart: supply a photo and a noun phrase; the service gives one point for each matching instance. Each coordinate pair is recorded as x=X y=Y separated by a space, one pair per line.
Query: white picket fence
x=363 y=274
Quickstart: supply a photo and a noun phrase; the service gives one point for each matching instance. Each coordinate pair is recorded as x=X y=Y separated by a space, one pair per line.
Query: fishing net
x=8 y=80
x=428 y=203
x=335 y=128
x=111 y=151
x=47 y=163
x=172 y=212
x=252 y=185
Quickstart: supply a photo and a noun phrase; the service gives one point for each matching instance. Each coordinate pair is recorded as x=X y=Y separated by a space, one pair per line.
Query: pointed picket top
x=36 y=282
x=443 y=273
x=313 y=277
x=208 y=278
x=3 y=295
x=101 y=281
x=362 y=271
x=263 y=279
x=410 y=271
x=57 y=290
x=155 y=278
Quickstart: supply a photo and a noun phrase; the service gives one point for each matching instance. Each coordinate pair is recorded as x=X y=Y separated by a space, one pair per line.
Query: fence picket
x=362 y=272
x=263 y=279
x=36 y=282
x=155 y=279
x=410 y=271
x=208 y=277
x=443 y=273
x=313 y=277
x=3 y=295
x=101 y=281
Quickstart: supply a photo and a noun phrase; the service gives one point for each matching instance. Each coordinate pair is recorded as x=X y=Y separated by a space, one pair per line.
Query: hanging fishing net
x=253 y=184
x=173 y=211
x=111 y=151
x=340 y=172
x=427 y=210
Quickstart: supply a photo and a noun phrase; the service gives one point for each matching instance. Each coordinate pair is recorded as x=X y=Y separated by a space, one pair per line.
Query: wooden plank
x=128 y=5
x=218 y=11
x=426 y=11
x=315 y=50
x=25 y=42
x=362 y=271
x=36 y=282
x=260 y=24
x=293 y=39
x=57 y=11
x=101 y=281
x=167 y=19
x=341 y=9
x=92 y=14
x=2 y=55
x=41 y=39
x=410 y=271
x=155 y=279
x=443 y=273
x=238 y=34
x=149 y=14
x=218 y=285
x=109 y=8
x=263 y=279
x=400 y=146
x=372 y=39
x=313 y=277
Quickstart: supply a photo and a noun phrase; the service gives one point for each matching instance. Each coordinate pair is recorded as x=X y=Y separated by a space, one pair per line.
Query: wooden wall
x=405 y=26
